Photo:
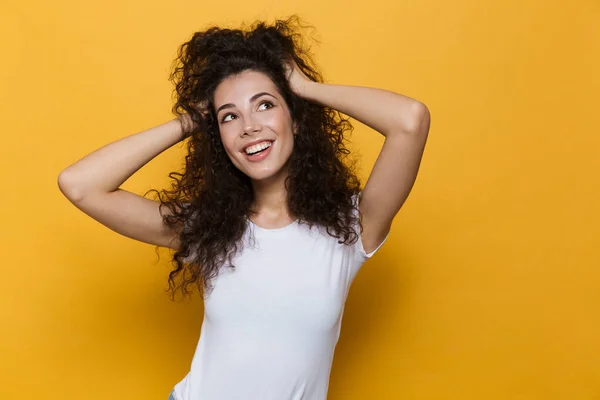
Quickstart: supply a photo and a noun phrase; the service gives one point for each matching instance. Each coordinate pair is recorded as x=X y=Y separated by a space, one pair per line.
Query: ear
x=295 y=128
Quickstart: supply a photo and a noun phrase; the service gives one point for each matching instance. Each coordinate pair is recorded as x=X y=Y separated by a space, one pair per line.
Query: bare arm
x=92 y=184
x=403 y=121
x=105 y=169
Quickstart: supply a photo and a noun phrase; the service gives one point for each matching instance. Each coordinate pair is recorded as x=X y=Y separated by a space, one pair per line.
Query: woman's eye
x=224 y=119
x=266 y=102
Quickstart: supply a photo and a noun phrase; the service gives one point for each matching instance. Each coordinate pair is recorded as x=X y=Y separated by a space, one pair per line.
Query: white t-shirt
x=271 y=325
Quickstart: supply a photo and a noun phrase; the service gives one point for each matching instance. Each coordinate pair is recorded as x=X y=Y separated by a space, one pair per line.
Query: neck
x=270 y=197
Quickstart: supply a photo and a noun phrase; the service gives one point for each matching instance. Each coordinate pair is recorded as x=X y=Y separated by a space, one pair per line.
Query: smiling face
x=251 y=111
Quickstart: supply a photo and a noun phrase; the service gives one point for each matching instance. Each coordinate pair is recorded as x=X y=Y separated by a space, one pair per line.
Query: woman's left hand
x=297 y=79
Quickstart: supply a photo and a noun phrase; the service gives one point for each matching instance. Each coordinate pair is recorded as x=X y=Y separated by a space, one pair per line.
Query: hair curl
x=212 y=198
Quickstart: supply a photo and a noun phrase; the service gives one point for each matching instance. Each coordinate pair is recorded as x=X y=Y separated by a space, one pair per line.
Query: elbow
x=420 y=119
x=68 y=187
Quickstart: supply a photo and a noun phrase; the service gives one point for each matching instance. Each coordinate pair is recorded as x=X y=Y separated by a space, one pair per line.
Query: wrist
x=309 y=90
x=186 y=124
x=306 y=89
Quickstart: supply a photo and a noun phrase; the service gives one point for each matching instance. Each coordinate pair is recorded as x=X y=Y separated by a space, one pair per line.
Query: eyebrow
x=256 y=96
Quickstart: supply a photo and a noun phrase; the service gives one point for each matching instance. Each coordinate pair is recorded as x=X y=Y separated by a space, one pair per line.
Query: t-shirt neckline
x=283 y=228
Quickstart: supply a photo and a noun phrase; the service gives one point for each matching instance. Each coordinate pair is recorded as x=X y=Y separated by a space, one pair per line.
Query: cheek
x=281 y=122
x=291 y=147
x=228 y=145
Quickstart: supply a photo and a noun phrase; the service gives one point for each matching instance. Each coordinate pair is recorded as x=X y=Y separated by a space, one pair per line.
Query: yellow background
x=489 y=285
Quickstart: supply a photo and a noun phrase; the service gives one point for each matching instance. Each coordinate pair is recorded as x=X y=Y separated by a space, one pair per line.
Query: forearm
x=105 y=169
x=386 y=112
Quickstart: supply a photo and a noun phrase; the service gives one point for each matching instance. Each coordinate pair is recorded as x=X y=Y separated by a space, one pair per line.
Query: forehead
x=238 y=88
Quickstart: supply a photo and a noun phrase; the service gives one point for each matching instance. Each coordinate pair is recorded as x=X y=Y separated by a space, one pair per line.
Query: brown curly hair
x=212 y=198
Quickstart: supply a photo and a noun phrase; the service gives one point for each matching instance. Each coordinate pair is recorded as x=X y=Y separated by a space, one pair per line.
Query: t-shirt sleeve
x=359 y=244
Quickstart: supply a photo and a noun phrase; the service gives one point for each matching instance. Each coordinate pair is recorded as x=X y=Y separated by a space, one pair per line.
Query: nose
x=250 y=126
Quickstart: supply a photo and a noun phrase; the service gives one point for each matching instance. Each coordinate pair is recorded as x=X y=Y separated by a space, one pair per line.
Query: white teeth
x=257 y=147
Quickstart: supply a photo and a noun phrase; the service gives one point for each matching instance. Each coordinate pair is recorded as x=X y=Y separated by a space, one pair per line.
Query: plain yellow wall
x=489 y=285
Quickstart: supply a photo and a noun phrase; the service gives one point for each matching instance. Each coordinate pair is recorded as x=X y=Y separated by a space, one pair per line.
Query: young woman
x=267 y=219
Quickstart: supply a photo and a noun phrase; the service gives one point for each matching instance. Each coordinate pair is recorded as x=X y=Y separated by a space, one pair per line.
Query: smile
x=259 y=151
x=258 y=147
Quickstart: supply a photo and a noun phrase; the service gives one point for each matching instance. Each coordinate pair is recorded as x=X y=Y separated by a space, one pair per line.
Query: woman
x=267 y=218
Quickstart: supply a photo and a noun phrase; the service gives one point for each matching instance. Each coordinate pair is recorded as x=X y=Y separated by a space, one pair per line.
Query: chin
x=262 y=175
x=263 y=171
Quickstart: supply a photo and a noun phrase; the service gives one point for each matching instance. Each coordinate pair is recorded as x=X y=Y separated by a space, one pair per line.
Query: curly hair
x=212 y=198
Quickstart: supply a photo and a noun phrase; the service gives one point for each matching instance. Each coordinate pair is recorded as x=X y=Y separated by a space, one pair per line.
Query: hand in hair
x=188 y=126
x=297 y=79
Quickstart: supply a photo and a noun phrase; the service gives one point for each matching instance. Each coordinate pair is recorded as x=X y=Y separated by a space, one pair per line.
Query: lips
x=255 y=142
x=259 y=156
